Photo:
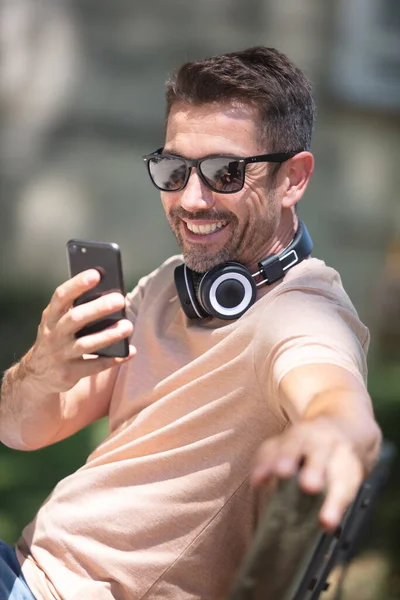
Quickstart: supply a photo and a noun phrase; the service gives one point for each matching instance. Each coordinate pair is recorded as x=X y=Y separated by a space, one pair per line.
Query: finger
x=88 y=366
x=70 y=290
x=313 y=474
x=89 y=344
x=280 y=456
x=265 y=459
x=132 y=353
x=291 y=453
x=86 y=313
x=345 y=475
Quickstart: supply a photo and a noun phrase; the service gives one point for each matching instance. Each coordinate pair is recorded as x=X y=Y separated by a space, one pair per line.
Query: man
x=236 y=373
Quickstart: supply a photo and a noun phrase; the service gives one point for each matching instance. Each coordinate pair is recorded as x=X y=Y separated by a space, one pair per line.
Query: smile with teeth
x=205 y=229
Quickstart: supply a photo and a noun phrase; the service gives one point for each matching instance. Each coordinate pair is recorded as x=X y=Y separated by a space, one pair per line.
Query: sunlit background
x=81 y=99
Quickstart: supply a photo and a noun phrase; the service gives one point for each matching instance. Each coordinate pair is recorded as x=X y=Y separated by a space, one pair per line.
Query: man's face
x=212 y=228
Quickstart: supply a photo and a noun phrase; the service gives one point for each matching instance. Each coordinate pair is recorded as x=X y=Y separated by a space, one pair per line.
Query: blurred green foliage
x=27 y=478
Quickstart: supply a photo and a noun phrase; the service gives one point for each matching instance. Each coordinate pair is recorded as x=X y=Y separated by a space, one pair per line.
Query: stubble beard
x=243 y=246
x=202 y=257
x=200 y=260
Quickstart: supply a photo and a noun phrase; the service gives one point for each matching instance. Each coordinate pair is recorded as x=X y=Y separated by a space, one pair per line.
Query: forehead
x=213 y=128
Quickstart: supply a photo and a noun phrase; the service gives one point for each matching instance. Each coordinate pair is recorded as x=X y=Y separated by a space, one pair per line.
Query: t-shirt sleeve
x=303 y=327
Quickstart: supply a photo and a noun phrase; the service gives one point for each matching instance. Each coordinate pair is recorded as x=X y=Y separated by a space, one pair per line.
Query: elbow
x=16 y=439
x=13 y=440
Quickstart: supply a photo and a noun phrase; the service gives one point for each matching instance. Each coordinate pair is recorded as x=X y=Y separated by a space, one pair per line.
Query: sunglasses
x=222 y=174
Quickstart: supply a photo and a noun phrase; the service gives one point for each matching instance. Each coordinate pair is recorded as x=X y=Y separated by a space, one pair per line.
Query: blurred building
x=81 y=99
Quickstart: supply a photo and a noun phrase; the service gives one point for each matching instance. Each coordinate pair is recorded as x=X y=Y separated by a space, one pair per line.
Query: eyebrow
x=173 y=152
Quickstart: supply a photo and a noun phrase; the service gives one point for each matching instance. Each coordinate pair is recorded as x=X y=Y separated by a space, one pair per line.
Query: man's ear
x=297 y=175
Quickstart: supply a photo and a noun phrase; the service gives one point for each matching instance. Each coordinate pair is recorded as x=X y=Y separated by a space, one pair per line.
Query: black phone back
x=106 y=258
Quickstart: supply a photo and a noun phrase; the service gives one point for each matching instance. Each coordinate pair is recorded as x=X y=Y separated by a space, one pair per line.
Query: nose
x=195 y=195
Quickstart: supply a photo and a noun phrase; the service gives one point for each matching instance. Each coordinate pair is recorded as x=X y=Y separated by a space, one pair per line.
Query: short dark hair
x=259 y=76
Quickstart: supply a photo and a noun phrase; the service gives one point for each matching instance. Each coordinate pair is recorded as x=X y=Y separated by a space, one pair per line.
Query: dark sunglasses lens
x=223 y=174
x=168 y=173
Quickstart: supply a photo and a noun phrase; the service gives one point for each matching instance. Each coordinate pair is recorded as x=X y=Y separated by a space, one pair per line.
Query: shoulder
x=309 y=319
x=311 y=301
x=313 y=272
x=312 y=280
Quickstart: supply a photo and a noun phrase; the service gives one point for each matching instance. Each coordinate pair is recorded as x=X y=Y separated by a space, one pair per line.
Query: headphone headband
x=274 y=267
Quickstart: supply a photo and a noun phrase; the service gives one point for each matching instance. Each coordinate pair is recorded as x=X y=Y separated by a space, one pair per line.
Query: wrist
x=30 y=373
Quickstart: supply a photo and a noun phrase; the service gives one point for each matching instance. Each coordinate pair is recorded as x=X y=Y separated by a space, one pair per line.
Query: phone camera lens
x=74 y=248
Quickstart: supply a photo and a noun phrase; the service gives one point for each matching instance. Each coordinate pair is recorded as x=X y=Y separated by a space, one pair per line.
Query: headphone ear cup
x=227 y=292
x=187 y=294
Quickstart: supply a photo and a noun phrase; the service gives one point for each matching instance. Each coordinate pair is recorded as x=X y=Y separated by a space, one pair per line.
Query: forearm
x=351 y=410
x=29 y=417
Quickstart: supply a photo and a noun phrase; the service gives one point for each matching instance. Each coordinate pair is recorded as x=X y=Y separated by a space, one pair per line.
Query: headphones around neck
x=227 y=291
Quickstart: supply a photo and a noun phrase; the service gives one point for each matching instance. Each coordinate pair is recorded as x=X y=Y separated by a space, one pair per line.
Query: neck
x=282 y=237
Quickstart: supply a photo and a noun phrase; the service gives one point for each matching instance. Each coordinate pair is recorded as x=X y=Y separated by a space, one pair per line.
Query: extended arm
x=334 y=436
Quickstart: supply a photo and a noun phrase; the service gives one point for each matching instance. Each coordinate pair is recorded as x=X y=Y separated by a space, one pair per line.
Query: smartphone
x=106 y=258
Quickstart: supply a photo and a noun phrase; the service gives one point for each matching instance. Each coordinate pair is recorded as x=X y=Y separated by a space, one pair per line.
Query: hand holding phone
x=106 y=258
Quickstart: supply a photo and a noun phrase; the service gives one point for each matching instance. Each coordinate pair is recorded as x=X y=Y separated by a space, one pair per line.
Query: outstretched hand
x=325 y=459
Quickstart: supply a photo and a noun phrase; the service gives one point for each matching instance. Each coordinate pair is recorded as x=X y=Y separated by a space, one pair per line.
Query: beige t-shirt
x=163 y=508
